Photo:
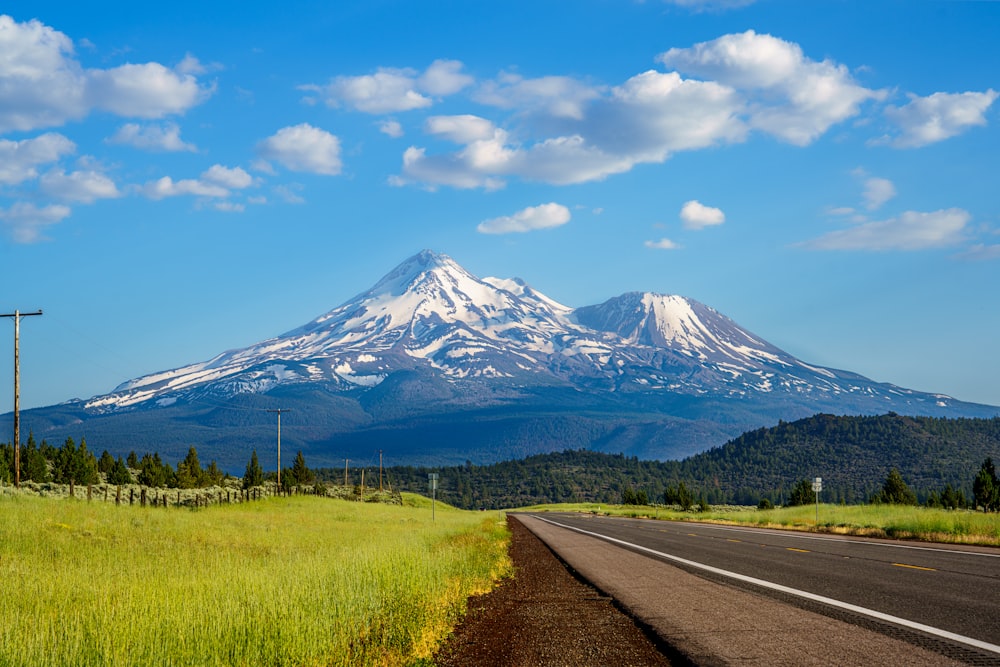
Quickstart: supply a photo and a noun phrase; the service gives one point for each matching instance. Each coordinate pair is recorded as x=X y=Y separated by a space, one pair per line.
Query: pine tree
x=189 y=473
x=895 y=491
x=254 y=475
x=986 y=487
x=300 y=473
x=105 y=463
x=802 y=494
x=34 y=467
x=119 y=474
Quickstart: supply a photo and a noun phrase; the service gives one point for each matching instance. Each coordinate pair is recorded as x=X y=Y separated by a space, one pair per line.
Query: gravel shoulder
x=544 y=616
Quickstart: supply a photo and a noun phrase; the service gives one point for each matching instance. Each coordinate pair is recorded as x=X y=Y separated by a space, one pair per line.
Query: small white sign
x=818 y=484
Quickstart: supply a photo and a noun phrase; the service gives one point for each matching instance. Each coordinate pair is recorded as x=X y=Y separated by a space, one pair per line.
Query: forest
x=853 y=455
x=940 y=461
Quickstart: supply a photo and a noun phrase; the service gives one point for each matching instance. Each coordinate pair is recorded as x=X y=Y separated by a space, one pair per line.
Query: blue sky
x=181 y=179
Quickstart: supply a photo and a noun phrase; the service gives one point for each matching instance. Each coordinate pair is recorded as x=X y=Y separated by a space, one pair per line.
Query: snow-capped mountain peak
x=431 y=314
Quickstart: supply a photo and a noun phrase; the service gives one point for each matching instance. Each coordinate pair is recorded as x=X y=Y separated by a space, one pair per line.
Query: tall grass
x=285 y=581
x=898 y=521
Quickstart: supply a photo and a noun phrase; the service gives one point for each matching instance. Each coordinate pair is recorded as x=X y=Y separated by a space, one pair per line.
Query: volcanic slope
x=435 y=365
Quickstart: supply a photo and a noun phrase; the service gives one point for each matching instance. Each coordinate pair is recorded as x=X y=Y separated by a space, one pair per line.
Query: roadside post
x=817 y=487
x=432 y=483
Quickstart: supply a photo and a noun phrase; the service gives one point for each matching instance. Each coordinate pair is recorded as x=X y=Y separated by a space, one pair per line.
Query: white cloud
x=698 y=216
x=235 y=178
x=80 y=186
x=215 y=182
x=168 y=187
x=557 y=96
x=788 y=95
x=303 y=148
x=391 y=128
x=662 y=244
x=165 y=137
x=444 y=77
x=644 y=120
x=464 y=129
x=391 y=90
x=143 y=91
x=926 y=120
x=44 y=85
x=910 y=231
x=529 y=219
x=877 y=192
x=19 y=160
x=25 y=222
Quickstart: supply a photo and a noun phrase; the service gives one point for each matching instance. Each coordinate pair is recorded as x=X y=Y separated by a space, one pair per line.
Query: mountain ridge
x=430 y=342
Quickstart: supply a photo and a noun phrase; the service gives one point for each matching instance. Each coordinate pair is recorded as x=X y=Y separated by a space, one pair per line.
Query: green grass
x=898 y=521
x=283 y=581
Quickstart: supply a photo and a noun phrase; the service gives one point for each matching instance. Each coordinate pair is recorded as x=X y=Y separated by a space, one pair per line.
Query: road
x=947 y=592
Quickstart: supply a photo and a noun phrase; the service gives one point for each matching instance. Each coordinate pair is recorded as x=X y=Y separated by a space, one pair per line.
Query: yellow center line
x=732 y=540
x=801 y=551
x=692 y=534
x=915 y=567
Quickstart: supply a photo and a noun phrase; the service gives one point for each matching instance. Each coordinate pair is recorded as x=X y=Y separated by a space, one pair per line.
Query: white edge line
x=962 y=639
x=838 y=540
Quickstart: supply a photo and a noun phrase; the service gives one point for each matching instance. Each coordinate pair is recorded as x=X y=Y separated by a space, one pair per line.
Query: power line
x=17 y=315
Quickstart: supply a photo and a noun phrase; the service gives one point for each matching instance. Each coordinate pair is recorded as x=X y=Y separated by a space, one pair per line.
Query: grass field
x=283 y=581
x=898 y=521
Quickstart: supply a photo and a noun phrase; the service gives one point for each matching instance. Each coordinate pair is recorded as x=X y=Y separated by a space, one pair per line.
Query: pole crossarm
x=17 y=315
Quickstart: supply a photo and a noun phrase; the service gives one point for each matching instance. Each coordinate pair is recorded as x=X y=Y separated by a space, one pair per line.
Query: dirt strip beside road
x=714 y=624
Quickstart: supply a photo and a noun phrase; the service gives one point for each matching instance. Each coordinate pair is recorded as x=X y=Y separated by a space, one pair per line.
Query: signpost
x=432 y=483
x=817 y=487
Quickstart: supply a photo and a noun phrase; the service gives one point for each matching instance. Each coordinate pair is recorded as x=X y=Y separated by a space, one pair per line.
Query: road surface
x=944 y=600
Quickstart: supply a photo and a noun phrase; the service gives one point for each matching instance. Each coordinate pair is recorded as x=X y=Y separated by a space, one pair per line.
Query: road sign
x=818 y=484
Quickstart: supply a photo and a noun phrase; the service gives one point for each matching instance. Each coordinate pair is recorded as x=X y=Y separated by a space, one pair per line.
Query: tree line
x=855 y=456
x=76 y=465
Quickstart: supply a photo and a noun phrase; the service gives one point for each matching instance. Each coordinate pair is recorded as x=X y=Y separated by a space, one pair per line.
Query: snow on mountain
x=429 y=313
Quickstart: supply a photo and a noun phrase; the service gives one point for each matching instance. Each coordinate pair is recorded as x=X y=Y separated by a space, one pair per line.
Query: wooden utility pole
x=346 y=461
x=279 y=411
x=380 y=471
x=17 y=315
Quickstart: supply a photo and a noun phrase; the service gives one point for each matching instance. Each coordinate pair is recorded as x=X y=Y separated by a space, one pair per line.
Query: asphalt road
x=947 y=588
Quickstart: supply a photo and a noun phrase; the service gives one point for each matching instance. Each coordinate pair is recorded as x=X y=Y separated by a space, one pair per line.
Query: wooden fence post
x=131 y=496
x=142 y=496
x=90 y=492
x=118 y=496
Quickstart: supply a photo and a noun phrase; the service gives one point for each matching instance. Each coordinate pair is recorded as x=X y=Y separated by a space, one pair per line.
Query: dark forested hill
x=853 y=455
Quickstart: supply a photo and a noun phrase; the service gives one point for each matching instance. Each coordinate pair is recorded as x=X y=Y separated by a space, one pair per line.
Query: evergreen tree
x=253 y=476
x=6 y=458
x=986 y=487
x=119 y=473
x=105 y=463
x=153 y=472
x=132 y=460
x=301 y=474
x=189 y=472
x=34 y=467
x=802 y=494
x=895 y=491
x=212 y=475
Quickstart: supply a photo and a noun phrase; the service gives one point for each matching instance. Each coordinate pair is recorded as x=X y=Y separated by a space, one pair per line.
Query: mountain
x=434 y=365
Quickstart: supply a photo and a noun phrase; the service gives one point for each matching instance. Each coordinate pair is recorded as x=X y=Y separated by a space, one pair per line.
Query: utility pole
x=279 y=411
x=17 y=315
x=380 y=471
x=346 y=461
